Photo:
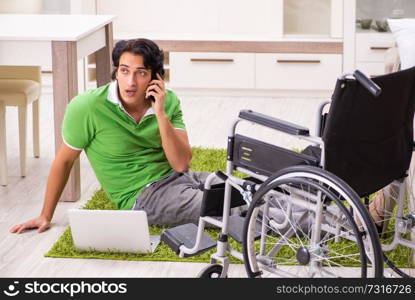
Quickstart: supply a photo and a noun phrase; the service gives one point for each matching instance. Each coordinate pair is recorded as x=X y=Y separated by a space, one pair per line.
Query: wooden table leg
x=3 y=147
x=103 y=58
x=65 y=87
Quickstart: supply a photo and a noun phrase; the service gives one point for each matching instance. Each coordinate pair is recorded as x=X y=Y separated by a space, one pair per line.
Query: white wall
x=56 y=6
x=21 y=6
x=194 y=16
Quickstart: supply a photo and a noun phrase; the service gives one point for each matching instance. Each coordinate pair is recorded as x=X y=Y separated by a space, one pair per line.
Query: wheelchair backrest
x=369 y=141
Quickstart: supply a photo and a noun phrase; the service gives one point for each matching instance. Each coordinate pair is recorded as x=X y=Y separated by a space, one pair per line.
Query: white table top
x=224 y=37
x=50 y=27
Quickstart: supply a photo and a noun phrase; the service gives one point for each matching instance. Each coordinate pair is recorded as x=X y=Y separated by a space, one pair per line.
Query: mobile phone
x=153 y=76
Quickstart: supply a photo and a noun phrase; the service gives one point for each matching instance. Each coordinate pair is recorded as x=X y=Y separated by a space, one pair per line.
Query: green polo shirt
x=125 y=155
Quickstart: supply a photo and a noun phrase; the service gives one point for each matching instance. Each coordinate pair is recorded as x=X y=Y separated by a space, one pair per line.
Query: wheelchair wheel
x=394 y=268
x=211 y=271
x=312 y=224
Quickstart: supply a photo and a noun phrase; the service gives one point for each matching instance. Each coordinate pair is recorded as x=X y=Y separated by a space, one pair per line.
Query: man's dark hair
x=153 y=56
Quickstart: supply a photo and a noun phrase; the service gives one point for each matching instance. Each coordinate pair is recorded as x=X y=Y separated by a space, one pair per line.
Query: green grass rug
x=208 y=160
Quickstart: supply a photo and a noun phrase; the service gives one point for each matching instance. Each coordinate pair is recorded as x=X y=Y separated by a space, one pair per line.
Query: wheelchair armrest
x=274 y=123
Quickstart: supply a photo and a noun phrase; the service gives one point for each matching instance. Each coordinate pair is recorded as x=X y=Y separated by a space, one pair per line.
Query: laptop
x=112 y=230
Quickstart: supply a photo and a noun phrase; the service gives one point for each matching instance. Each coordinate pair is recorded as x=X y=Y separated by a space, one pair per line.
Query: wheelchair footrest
x=235 y=228
x=186 y=235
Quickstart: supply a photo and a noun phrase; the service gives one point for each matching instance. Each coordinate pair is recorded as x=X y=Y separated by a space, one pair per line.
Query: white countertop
x=223 y=37
x=50 y=27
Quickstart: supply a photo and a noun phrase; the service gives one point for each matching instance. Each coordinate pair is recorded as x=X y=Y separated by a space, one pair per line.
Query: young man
x=138 y=147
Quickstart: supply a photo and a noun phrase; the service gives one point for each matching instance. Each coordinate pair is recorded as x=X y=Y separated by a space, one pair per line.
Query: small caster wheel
x=211 y=271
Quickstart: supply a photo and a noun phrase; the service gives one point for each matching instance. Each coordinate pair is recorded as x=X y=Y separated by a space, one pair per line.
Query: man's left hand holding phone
x=156 y=92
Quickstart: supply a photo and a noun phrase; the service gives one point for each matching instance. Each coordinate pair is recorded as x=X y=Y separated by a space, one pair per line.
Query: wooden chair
x=19 y=86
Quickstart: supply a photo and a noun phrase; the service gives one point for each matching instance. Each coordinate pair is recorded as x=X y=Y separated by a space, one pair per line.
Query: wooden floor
x=22 y=255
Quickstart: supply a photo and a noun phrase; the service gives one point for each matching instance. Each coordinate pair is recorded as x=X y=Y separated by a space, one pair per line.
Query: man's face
x=133 y=78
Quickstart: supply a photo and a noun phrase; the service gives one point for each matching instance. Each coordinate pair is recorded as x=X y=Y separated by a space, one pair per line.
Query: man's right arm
x=57 y=180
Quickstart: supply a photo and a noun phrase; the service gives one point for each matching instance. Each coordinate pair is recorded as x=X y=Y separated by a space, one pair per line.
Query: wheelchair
x=305 y=215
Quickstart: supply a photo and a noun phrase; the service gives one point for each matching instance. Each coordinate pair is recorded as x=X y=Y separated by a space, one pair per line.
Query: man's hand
x=58 y=176
x=156 y=88
x=41 y=223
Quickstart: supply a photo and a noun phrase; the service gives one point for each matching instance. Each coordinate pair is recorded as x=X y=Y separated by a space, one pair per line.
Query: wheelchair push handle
x=368 y=83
